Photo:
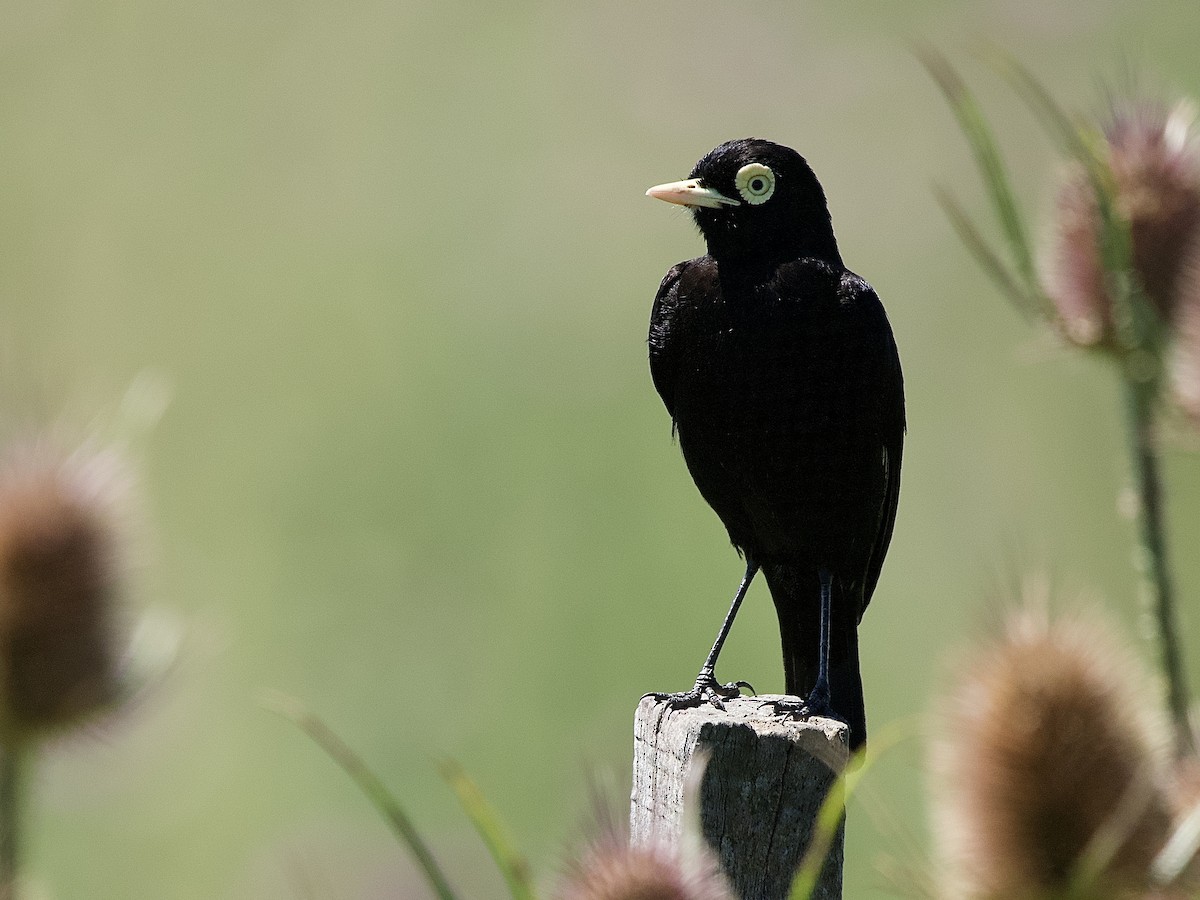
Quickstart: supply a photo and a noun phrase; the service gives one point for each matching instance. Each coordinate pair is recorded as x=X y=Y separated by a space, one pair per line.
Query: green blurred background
x=394 y=264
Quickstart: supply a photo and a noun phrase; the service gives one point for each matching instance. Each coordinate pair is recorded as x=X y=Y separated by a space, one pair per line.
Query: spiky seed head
x=61 y=574
x=1050 y=769
x=611 y=869
x=1154 y=158
x=1185 y=351
x=1185 y=346
x=1156 y=165
x=1078 y=285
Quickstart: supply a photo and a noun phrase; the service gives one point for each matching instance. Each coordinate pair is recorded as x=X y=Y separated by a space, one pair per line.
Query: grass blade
x=1069 y=135
x=511 y=863
x=987 y=156
x=1076 y=141
x=989 y=260
x=368 y=782
x=829 y=817
x=1137 y=323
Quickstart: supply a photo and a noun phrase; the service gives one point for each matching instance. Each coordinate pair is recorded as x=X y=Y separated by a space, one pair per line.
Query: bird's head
x=754 y=200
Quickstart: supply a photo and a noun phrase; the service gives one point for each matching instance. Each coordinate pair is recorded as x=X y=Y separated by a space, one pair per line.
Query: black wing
x=664 y=355
x=889 y=413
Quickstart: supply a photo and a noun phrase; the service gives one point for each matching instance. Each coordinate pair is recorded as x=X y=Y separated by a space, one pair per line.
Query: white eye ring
x=755 y=182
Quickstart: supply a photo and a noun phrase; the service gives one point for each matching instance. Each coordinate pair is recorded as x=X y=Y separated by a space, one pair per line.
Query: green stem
x=12 y=772
x=369 y=783
x=1139 y=402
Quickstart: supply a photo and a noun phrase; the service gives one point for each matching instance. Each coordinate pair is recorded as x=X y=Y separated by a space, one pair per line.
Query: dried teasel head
x=1184 y=361
x=1154 y=158
x=1050 y=774
x=62 y=574
x=611 y=869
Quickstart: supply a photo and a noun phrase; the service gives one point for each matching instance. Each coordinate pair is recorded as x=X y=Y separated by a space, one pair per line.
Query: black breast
x=776 y=387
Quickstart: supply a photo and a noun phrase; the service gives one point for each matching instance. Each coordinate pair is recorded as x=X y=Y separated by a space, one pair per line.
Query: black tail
x=797 y=595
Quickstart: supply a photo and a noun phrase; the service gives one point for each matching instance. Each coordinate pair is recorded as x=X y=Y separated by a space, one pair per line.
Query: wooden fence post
x=766 y=778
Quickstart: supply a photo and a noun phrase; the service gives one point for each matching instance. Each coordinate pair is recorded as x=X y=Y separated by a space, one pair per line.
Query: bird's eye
x=755 y=182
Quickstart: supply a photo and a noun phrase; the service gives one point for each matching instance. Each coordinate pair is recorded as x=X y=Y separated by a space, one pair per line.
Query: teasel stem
x=12 y=789
x=1140 y=396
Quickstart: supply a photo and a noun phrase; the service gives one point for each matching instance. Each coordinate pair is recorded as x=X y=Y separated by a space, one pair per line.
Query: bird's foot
x=815 y=704
x=790 y=707
x=706 y=690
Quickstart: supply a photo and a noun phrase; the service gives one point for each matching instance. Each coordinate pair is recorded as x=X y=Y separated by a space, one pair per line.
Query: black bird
x=780 y=372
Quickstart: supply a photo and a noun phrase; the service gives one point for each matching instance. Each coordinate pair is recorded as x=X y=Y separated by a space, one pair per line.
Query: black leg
x=707 y=688
x=818 y=699
x=708 y=670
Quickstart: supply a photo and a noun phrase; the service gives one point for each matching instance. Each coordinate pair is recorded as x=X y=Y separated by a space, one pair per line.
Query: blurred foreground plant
x=618 y=871
x=1052 y=776
x=608 y=867
x=369 y=783
x=64 y=647
x=669 y=867
x=1125 y=281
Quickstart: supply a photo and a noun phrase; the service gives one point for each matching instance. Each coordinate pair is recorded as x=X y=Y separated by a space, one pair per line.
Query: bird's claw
x=816 y=703
x=706 y=690
x=792 y=707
